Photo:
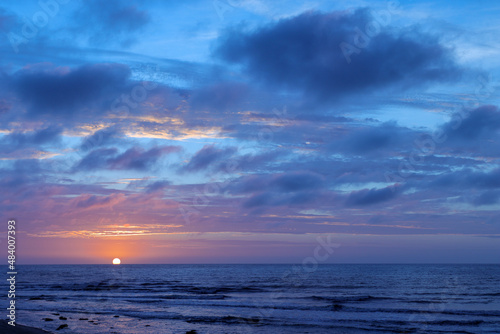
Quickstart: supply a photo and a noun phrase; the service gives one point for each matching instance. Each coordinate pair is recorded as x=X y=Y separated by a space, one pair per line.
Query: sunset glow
x=116 y=261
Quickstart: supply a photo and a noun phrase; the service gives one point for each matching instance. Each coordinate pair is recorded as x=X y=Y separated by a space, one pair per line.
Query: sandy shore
x=19 y=329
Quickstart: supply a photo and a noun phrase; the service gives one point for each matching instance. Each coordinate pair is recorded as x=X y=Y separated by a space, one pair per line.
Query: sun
x=116 y=261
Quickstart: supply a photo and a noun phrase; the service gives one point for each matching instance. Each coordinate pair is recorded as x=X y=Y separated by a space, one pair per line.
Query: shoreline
x=20 y=329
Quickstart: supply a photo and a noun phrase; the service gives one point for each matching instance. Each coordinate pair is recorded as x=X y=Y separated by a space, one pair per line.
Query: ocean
x=285 y=298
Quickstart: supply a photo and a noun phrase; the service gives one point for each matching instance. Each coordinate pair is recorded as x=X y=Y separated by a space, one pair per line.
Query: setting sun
x=116 y=261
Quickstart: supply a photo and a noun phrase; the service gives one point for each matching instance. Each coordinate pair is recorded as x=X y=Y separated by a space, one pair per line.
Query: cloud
x=110 y=22
x=488 y=197
x=303 y=53
x=96 y=159
x=65 y=92
x=157 y=186
x=296 y=187
x=102 y=137
x=387 y=135
x=482 y=121
x=207 y=156
x=138 y=158
x=297 y=181
x=135 y=158
x=220 y=97
x=281 y=199
x=469 y=179
x=87 y=201
x=281 y=182
x=371 y=196
x=4 y=106
x=25 y=172
x=34 y=139
x=251 y=162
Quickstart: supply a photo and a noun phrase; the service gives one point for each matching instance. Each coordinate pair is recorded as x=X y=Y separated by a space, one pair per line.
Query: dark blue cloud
x=371 y=196
x=387 y=135
x=65 y=92
x=303 y=52
x=296 y=181
x=479 y=122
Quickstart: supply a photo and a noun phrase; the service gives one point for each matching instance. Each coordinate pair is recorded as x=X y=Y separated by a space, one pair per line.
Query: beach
x=19 y=329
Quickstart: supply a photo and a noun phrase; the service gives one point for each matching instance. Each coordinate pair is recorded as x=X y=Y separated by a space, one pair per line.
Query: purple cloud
x=135 y=158
x=206 y=157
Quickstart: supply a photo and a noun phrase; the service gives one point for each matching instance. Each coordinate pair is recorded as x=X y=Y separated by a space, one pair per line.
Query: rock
x=193 y=331
x=18 y=329
x=116 y=316
x=83 y=319
x=61 y=327
x=48 y=319
x=63 y=318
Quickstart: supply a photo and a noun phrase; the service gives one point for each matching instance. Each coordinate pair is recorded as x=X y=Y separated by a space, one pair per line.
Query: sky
x=251 y=131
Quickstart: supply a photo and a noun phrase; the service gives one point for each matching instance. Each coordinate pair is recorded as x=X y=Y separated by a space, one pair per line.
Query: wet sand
x=19 y=329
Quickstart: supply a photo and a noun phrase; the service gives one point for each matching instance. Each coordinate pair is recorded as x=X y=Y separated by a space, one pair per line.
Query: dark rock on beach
x=19 y=329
